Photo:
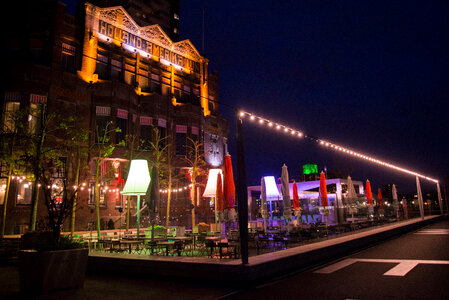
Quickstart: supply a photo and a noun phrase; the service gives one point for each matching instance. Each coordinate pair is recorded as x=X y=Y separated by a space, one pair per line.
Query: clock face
x=213 y=149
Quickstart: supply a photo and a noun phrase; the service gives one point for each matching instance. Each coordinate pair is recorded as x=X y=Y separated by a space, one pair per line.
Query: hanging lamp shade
x=211 y=186
x=138 y=178
x=271 y=188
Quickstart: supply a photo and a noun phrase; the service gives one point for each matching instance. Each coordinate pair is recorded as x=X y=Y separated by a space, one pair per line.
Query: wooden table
x=167 y=245
x=130 y=243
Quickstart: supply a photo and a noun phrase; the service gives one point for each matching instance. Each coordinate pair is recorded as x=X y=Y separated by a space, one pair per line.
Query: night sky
x=373 y=77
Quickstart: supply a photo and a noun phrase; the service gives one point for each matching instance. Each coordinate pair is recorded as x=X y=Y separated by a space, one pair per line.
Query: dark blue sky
x=371 y=76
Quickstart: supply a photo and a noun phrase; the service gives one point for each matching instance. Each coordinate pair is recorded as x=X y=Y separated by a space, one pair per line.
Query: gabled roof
x=119 y=17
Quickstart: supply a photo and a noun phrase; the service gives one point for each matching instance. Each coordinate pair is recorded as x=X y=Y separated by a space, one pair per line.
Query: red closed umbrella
x=369 y=194
x=323 y=190
x=379 y=199
x=219 y=193
x=295 y=197
x=229 y=190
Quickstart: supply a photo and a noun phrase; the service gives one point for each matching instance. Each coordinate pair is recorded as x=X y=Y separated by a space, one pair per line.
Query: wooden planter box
x=42 y=272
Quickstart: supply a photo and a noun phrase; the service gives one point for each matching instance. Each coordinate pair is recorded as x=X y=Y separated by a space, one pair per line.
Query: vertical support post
x=420 y=200
x=440 y=201
x=138 y=215
x=242 y=195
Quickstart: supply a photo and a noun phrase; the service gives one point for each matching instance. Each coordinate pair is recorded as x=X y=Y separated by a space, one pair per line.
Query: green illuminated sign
x=309 y=169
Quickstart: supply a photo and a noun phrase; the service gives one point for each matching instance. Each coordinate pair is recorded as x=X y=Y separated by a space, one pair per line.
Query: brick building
x=108 y=64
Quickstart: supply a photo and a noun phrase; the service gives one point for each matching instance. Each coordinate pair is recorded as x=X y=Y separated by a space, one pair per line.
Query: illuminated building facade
x=102 y=66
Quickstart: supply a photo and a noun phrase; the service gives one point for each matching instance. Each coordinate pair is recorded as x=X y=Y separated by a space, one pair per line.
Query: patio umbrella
x=352 y=198
x=323 y=196
x=229 y=191
x=420 y=201
x=380 y=201
x=394 y=194
x=285 y=189
x=263 y=204
x=219 y=198
x=296 y=206
x=369 y=197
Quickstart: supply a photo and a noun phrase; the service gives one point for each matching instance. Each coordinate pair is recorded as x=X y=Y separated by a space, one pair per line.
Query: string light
x=176 y=190
x=338 y=148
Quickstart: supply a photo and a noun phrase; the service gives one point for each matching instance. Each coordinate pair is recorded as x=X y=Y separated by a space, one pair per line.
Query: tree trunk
x=5 y=202
x=77 y=178
x=37 y=170
x=192 y=197
x=167 y=220
x=97 y=197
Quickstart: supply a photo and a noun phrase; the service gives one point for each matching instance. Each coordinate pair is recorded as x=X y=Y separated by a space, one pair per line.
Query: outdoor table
x=130 y=243
x=167 y=246
x=181 y=238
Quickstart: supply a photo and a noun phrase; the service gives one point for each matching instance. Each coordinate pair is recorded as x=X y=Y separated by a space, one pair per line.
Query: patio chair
x=210 y=246
x=178 y=247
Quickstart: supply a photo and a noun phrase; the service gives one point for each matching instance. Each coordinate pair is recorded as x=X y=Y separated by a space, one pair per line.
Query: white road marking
x=401 y=269
x=433 y=231
x=337 y=266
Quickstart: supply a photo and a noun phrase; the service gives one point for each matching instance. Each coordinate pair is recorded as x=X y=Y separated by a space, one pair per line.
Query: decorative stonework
x=155 y=34
x=128 y=24
x=109 y=15
x=120 y=18
x=185 y=48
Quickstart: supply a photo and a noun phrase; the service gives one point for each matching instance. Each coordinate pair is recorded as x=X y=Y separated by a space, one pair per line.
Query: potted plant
x=48 y=260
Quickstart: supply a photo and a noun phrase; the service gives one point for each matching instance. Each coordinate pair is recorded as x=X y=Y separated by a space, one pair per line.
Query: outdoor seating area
x=219 y=245
x=206 y=244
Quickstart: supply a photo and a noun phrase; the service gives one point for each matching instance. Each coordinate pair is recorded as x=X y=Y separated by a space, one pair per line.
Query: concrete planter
x=45 y=271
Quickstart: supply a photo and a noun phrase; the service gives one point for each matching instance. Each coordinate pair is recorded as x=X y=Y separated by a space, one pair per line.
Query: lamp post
x=137 y=183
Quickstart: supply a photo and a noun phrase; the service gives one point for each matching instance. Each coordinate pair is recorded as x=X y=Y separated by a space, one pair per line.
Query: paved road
x=413 y=266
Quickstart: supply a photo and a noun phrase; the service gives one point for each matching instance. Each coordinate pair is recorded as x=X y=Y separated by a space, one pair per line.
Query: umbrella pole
x=138 y=215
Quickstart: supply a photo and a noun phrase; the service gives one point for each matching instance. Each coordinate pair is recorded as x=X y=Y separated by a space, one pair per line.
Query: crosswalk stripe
x=401 y=269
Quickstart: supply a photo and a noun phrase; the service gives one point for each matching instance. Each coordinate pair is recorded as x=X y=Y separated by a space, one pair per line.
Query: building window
x=102 y=67
x=116 y=70
x=9 y=116
x=102 y=119
x=122 y=123
x=176 y=16
x=143 y=80
x=3 y=182
x=130 y=74
x=34 y=118
x=92 y=194
x=162 y=129
x=24 y=191
x=195 y=133
x=175 y=30
x=61 y=168
x=68 y=58
x=181 y=135
x=146 y=130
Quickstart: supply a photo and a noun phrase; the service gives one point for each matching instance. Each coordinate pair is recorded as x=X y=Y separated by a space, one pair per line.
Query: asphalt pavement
x=412 y=266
